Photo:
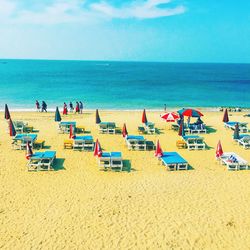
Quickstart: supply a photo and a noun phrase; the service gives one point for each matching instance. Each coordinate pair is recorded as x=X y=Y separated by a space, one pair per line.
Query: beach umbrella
x=29 y=152
x=219 y=151
x=12 y=128
x=225 y=116
x=98 y=149
x=190 y=112
x=170 y=116
x=236 y=132
x=124 y=130
x=144 y=117
x=181 y=128
x=6 y=113
x=97 y=117
x=71 y=132
x=158 y=150
x=57 y=115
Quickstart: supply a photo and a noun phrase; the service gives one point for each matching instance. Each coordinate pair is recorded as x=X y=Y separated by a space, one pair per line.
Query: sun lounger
x=107 y=128
x=244 y=140
x=150 y=128
x=111 y=161
x=41 y=161
x=233 y=161
x=136 y=142
x=197 y=129
x=173 y=161
x=85 y=143
x=64 y=127
x=194 y=142
x=242 y=126
x=20 y=141
x=20 y=126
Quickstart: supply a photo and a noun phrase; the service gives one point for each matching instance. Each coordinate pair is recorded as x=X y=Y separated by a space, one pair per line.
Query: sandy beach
x=81 y=207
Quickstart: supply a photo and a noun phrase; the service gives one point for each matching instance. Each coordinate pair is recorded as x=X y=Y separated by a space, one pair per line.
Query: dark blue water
x=123 y=85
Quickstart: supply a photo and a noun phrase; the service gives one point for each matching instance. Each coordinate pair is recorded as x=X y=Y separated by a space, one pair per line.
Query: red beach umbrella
x=158 y=150
x=98 y=149
x=144 y=117
x=170 y=117
x=225 y=116
x=6 y=113
x=219 y=151
x=190 y=112
x=12 y=128
x=124 y=130
x=97 y=117
x=29 y=152
x=71 y=132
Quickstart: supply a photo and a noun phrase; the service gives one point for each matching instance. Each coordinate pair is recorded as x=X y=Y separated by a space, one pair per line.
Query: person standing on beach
x=77 y=107
x=44 y=106
x=165 y=107
x=65 y=109
x=37 y=106
x=71 y=107
x=81 y=106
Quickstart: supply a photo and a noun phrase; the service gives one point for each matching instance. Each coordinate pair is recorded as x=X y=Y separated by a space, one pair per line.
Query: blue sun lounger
x=64 y=127
x=41 y=161
x=111 y=160
x=83 y=143
x=242 y=126
x=107 y=127
x=244 y=140
x=20 y=140
x=194 y=142
x=173 y=161
x=136 y=142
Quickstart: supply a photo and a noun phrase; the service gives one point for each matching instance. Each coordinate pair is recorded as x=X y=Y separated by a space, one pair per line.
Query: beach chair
x=112 y=161
x=105 y=161
x=194 y=142
x=181 y=144
x=173 y=161
x=141 y=130
x=150 y=128
x=242 y=126
x=136 y=142
x=197 y=129
x=107 y=128
x=78 y=144
x=19 y=126
x=38 y=144
x=64 y=127
x=20 y=141
x=244 y=141
x=40 y=161
x=233 y=161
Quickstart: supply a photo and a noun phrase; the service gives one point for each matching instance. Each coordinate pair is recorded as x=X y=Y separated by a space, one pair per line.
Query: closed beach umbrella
x=6 y=113
x=219 y=151
x=190 y=112
x=71 y=132
x=170 y=117
x=29 y=152
x=12 y=128
x=181 y=128
x=236 y=132
x=97 y=117
x=57 y=115
x=225 y=116
x=158 y=150
x=124 y=130
x=98 y=149
x=144 y=117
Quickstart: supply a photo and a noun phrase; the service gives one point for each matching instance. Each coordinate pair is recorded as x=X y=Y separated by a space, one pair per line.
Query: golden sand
x=82 y=207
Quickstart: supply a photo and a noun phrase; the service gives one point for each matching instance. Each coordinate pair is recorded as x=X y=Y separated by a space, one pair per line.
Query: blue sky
x=142 y=30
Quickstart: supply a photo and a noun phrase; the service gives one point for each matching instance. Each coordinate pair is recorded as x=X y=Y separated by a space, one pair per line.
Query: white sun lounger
x=244 y=141
x=111 y=161
x=233 y=161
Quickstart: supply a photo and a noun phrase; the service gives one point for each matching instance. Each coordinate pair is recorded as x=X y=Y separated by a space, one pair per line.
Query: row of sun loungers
x=242 y=126
x=191 y=128
x=112 y=161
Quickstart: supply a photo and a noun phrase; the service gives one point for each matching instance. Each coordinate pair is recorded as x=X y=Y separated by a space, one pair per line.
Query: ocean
x=123 y=85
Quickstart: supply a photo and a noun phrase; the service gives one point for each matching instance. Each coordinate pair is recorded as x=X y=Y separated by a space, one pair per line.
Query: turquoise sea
x=123 y=85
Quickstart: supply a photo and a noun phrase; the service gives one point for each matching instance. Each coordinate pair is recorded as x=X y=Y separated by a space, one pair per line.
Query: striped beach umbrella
x=219 y=151
x=124 y=130
x=6 y=112
x=57 y=115
x=12 y=128
x=71 y=132
x=98 y=149
x=236 y=135
x=29 y=152
x=181 y=128
x=170 y=116
x=225 y=116
x=190 y=112
x=144 y=117
x=158 y=150
x=97 y=117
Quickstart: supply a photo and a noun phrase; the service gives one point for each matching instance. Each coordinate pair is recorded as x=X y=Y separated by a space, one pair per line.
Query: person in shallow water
x=37 y=106
x=65 y=109
x=44 y=106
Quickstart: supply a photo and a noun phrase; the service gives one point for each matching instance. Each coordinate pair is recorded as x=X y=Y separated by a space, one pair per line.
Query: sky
x=128 y=30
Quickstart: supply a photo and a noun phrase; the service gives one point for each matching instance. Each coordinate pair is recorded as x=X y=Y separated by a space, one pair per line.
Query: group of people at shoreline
x=78 y=107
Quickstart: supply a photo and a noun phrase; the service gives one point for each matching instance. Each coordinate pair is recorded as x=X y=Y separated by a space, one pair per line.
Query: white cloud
x=67 y=11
